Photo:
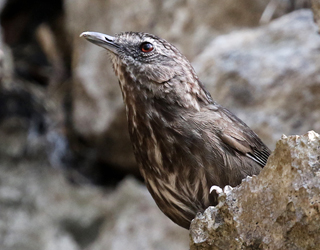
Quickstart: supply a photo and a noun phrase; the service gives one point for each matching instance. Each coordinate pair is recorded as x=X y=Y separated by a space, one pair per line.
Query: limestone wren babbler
x=183 y=141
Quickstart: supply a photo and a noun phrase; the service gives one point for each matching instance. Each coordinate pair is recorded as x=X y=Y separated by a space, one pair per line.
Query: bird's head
x=148 y=61
x=143 y=54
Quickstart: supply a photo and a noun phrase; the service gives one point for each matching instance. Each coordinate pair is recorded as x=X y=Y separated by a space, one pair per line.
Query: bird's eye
x=146 y=47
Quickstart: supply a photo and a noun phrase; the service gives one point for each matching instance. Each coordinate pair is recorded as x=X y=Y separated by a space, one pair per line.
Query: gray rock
x=279 y=209
x=268 y=76
x=40 y=210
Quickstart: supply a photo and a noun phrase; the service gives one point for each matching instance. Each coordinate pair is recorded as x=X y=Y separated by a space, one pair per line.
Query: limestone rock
x=268 y=76
x=279 y=209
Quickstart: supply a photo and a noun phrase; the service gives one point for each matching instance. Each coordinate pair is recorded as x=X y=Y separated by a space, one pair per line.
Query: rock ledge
x=279 y=209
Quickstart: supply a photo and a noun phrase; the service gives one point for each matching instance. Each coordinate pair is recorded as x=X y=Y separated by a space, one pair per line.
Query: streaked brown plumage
x=183 y=141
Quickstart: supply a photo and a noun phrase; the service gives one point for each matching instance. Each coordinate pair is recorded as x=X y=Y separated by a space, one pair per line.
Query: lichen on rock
x=279 y=209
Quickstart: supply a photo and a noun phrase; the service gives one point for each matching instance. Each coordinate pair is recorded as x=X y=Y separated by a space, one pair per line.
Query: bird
x=184 y=142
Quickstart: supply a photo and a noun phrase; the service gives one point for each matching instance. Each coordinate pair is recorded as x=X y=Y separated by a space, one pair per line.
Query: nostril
x=109 y=40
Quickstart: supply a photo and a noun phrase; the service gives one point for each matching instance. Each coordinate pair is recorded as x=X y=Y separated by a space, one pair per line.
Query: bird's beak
x=102 y=40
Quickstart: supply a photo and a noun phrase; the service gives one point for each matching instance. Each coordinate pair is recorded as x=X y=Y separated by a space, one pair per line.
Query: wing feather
x=236 y=134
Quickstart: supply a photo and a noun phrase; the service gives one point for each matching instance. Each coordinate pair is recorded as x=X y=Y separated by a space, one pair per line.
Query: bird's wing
x=236 y=134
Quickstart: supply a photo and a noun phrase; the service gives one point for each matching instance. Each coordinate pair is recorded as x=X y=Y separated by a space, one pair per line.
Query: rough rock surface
x=268 y=76
x=279 y=209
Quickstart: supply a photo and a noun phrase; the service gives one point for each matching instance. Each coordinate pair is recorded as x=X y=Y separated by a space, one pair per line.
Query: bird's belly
x=172 y=202
x=176 y=196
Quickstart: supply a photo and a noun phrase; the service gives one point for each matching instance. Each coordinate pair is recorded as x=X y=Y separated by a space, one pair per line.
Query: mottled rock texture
x=279 y=209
